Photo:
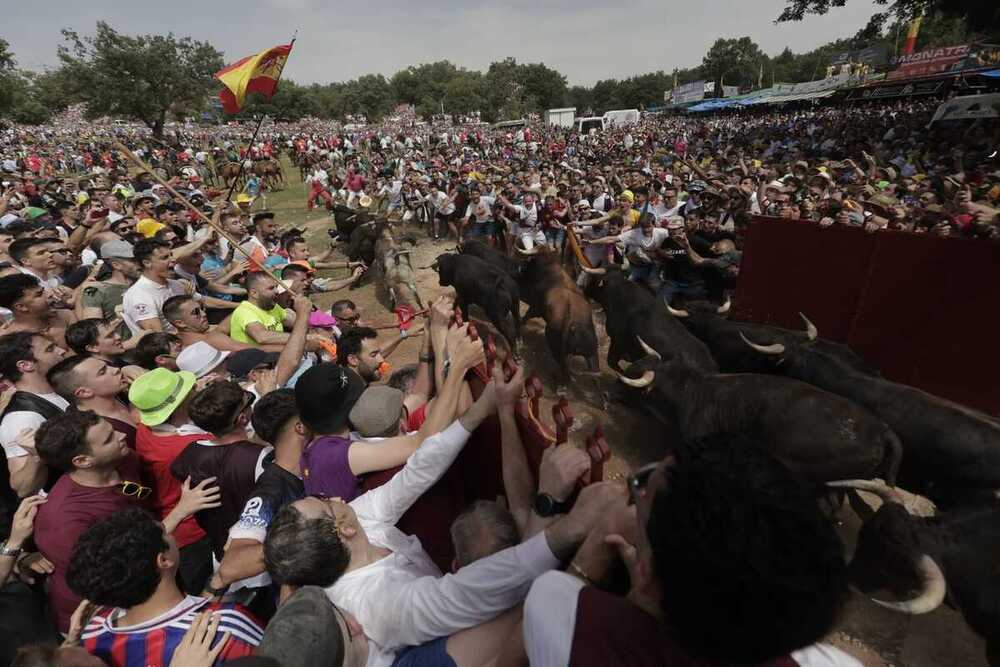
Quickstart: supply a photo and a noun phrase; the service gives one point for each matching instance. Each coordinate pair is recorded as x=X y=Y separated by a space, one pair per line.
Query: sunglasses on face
x=638 y=480
x=135 y=489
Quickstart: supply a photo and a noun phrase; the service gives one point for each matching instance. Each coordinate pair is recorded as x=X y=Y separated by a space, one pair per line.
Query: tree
x=734 y=60
x=982 y=16
x=142 y=77
x=290 y=102
x=464 y=93
x=8 y=78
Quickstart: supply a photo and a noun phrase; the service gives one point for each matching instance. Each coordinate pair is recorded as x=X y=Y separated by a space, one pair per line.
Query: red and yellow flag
x=258 y=73
x=911 y=35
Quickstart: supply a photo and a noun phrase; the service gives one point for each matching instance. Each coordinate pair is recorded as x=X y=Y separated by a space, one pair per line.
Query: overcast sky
x=583 y=39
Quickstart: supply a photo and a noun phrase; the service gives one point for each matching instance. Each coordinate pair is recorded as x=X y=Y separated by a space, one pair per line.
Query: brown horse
x=269 y=172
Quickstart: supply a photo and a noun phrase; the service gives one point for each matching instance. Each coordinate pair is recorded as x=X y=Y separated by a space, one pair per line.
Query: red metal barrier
x=923 y=309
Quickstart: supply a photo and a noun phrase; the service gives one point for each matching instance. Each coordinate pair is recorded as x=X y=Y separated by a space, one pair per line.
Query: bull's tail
x=893 y=456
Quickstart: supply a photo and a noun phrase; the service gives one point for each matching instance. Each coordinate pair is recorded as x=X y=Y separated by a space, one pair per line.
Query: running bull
x=723 y=337
x=476 y=282
x=631 y=312
x=553 y=295
x=952 y=453
x=818 y=435
x=949 y=558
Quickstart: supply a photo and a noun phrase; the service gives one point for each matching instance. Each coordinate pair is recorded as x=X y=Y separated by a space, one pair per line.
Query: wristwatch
x=12 y=552
x=546 y=506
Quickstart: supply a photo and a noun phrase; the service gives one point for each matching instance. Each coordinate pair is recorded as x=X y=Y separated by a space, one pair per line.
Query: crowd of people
x=192 y=445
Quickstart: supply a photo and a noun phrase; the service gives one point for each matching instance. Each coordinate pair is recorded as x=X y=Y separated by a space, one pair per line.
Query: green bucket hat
x=159 y=392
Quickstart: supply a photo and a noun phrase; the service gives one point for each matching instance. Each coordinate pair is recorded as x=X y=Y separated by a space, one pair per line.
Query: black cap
x=325 y=395
x=241 y=363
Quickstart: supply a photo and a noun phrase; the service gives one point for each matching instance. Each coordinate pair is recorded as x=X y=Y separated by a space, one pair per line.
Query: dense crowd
x=192 y=446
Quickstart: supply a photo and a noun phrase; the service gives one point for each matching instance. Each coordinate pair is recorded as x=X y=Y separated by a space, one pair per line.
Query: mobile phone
x=103 y=213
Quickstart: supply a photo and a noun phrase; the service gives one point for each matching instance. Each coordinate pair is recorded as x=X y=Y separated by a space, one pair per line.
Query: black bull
x=554 y=296
x=818 y=435
x=631 y=313
x=951 y=453
x=944 y=558
x=476 y=282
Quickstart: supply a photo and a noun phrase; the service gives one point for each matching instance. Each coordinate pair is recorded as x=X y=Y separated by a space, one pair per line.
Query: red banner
x=928 y=61
x=921 y=308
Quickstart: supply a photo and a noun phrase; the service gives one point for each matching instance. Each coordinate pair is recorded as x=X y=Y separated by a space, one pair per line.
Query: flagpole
x=119 y=146
x=253 y=139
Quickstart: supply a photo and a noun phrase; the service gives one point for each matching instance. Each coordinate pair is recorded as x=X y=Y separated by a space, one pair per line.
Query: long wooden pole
x=119 y=146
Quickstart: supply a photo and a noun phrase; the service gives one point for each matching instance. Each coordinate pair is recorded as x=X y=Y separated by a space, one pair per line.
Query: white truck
x=611 y=119
x=620 y=118
x=560 y=117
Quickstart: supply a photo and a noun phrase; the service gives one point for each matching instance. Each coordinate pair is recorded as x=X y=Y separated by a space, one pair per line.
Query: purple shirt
x=326 y=471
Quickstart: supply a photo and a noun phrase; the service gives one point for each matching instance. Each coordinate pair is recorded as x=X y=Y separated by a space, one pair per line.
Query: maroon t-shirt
x=609 y=630
x=235 y=466
x=70 y=510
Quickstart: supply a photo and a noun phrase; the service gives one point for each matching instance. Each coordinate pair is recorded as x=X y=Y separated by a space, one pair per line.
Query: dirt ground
x=875 y=636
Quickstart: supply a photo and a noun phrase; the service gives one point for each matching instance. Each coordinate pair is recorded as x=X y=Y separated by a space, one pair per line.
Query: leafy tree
x=290 y=102
x=580 y=97
x=8 y=78
x=142 y=77
x=978 y=15
x=464 y=93
x=734 y=60
x=605 y=95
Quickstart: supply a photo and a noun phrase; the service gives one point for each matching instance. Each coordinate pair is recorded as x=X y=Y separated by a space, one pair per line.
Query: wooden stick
x=118 y=146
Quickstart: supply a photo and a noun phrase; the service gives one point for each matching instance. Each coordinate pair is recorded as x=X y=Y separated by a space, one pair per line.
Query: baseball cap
x=321 y=318
x=148 y=227
x=159 y=392
x=304 y=632
x=376 y=410
x=200 y=358
x=325 y=395
x=117 y=250
x=241 y=363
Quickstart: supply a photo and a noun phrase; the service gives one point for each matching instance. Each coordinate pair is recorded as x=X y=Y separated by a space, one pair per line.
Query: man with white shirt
x=730 y=561
x=143 y=301
x=25 y=358
x=526 y=227
x=478 y=219
x=387 y=582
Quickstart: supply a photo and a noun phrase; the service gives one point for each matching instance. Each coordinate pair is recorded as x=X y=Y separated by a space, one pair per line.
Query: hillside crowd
x=194 y=450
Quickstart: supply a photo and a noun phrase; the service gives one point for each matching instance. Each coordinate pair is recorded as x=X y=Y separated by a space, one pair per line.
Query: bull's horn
x=811 y=329
x=533 y=251
x=932 y=591
x=777 y=348
x=677 y=313
x=724 y=308
x=644 y=381
x=594 y=272
x=880 y=489
x=648 y=350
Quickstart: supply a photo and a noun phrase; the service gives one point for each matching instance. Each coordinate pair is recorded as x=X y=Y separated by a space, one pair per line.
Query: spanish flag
x=258 y=73
x=911 y=35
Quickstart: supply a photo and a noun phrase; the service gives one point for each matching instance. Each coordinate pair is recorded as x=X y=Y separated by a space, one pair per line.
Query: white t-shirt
x=15 y=422
x=441 y=202
x=527 y=216
x=483 y=210
x=144 y=301
x=634 y=238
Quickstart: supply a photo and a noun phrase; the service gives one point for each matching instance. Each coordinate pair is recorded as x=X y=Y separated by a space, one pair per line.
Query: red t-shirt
x=157 y=452
x=70 y=510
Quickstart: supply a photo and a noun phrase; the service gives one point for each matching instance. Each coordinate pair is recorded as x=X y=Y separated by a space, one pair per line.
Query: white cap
x=200 y=358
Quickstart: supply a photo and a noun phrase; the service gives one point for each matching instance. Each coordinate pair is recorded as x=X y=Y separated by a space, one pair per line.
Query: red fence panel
x=925 y=310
